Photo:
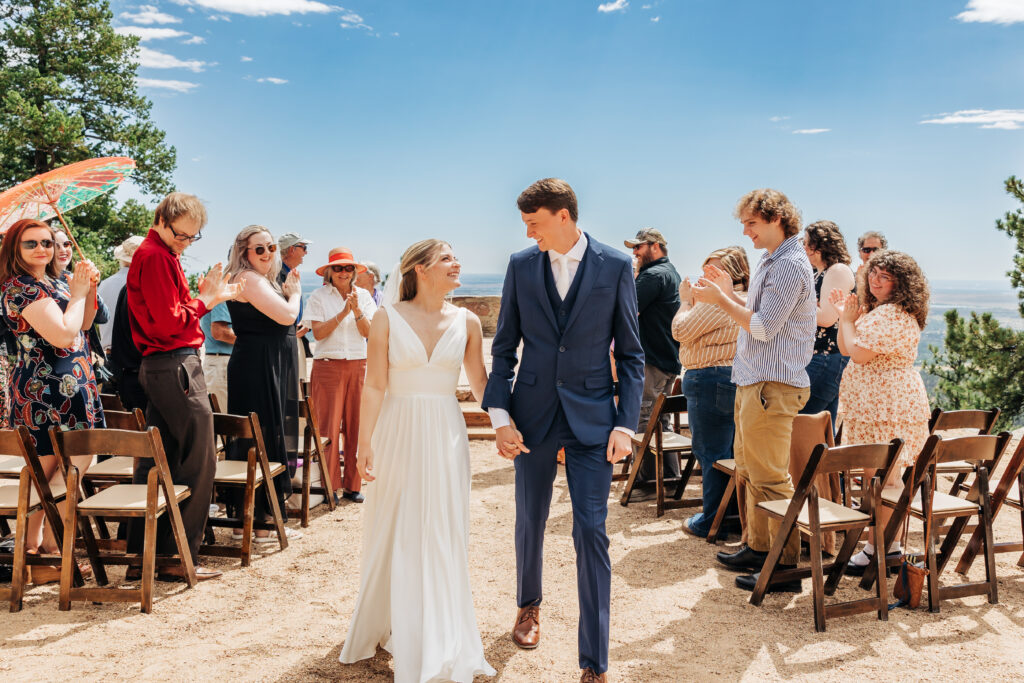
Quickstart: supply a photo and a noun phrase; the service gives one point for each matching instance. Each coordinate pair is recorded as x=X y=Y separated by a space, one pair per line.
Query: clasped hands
x=84 y=278
x=509 y=441
x=712 y=288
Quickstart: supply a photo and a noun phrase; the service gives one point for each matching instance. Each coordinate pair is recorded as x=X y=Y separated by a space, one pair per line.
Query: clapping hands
x=84 y=277
x=214 y=287
x=292 y=285
x=713 y=286
x=846 y=304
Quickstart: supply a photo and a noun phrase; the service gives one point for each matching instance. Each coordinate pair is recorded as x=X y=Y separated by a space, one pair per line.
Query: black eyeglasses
x=343 y=269
x=868 y=250
x=185 y=237
x=32 y=244
x=261 y=249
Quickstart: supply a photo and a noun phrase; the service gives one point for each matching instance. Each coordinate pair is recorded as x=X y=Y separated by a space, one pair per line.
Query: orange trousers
x=337 y=387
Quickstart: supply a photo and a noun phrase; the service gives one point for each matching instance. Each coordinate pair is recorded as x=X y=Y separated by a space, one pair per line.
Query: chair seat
x=128 y=497
x=670 y=441
x=942 y=503
x=118 y=466
x=727 y=465
x=828 y=512
x=10 y=466
x=234 y=471
x=9 y=496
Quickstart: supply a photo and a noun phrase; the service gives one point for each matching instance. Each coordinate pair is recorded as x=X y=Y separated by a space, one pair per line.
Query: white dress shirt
x=109 y=290
x=572 y=258
x=345 y=342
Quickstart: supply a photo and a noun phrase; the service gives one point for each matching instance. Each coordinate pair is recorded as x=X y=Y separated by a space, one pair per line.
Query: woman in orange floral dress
x=882 y=395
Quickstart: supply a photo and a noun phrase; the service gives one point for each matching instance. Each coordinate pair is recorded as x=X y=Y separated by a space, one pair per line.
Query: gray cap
x=290 y=239
x=646 y=235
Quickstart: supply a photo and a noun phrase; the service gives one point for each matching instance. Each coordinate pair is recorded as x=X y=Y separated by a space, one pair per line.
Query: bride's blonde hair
x=424 y=253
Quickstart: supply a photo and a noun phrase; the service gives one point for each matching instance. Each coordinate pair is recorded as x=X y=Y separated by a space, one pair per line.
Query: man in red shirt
x=165 y=327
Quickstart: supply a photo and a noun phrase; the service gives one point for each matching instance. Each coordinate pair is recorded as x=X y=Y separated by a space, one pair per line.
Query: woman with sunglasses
x=263 y=364
x=52 y=382
x=882 y=395
x=339 y=315
x=63 y=252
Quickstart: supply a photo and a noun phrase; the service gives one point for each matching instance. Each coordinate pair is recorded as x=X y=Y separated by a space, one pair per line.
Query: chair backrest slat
x=874 y=456
x=137 y=444
x=119 y=419
x=982 y=448
x=982 y=420
x=111 y=402
x=233 y=426
x=672 y=405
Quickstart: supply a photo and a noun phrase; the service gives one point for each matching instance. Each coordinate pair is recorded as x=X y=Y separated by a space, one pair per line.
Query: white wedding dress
x=414 y=593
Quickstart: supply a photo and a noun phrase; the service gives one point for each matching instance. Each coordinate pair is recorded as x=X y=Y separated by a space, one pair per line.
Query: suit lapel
x=540 y=262
x=595 y=261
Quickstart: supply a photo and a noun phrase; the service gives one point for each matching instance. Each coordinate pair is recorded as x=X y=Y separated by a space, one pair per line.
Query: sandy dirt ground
x=676 y=616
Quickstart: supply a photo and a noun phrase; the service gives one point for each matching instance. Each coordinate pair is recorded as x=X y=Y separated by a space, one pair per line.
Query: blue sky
x=380 y=123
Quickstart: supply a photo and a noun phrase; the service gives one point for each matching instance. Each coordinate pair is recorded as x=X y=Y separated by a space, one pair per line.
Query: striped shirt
x=706 y=335
x=781 y=338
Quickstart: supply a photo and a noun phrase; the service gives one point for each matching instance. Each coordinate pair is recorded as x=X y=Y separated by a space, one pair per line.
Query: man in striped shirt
x=778 y=323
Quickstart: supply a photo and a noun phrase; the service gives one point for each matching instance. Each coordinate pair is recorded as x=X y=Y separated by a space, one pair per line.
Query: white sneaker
x=290 y=534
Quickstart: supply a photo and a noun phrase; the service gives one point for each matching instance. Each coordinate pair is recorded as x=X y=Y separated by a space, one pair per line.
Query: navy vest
x=560 y=307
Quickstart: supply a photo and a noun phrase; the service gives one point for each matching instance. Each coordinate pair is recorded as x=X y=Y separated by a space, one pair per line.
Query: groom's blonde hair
x=423 y=253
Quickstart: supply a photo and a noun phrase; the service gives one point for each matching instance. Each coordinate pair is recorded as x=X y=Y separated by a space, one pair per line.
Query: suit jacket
x=570 y=368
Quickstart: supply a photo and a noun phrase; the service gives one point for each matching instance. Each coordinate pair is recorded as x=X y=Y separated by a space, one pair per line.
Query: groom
x=567 y=300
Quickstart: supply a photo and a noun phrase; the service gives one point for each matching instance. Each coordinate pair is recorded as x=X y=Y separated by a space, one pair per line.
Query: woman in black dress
x=263 y=364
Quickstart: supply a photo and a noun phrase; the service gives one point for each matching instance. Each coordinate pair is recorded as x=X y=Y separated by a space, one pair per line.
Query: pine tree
x=68 y=93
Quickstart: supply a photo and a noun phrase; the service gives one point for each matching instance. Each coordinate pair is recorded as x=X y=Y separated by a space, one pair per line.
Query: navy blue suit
x=562 y=397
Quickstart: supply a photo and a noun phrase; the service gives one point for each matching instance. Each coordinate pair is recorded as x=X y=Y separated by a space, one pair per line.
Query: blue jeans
x=710 y=398
x=825 y=372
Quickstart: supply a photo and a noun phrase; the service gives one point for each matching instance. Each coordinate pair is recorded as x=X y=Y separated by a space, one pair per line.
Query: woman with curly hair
x=882 y=394
x=826 y=250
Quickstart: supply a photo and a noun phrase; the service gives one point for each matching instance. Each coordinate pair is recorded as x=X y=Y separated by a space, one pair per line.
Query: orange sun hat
x=340 y=256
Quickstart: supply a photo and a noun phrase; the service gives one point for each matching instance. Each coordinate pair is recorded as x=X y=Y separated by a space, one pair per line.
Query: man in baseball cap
x=657 y=296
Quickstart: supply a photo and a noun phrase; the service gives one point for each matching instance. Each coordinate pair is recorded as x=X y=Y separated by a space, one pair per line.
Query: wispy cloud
x=149 y=33
x=194 y=40
x=1002 y=119
x=776 y=119
x=811 y=131
x=270 y=79
x=261 y=8
x=177 y=86
x=993 y=12
x=148 y=14
x=615 y=6
x=246 y=59
x=655 y=19
x=153 y=59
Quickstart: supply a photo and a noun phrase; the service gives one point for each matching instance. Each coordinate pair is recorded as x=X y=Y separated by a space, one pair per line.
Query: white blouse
x=345 y=342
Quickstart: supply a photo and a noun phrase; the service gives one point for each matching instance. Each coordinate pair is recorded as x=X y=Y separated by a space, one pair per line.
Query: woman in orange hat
x=339 y=315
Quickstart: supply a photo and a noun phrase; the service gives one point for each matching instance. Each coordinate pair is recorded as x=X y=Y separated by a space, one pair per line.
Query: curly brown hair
x=771 y=205
x=824 y=237
x=910 y=291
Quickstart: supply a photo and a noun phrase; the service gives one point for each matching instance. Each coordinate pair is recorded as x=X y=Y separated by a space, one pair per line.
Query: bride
x=414 y=594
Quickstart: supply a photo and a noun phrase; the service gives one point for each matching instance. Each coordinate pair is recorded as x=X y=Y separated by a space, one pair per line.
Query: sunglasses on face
x=32 y=244
x=343 y=269
x=263 y=248
x=66 y=244
x=868 y=250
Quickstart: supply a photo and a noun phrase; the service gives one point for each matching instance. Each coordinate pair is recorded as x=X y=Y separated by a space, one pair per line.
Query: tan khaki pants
x=764 y=425
x=215 y=368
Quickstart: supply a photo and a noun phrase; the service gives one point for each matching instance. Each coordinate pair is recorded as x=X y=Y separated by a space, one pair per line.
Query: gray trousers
x=656 y=381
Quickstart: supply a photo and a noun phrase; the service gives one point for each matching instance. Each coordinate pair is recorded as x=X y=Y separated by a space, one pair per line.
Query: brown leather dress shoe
x=588 y=676
x=526 y=632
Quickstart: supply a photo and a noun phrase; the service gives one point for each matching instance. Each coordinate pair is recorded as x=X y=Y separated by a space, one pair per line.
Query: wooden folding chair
x=1009 y=492
x=919 y=499
x=726 y=466
x=113 y=470
x=313 y=447
x=658 y=442
x=812 y=515
x=680 y=425
x=111 y=402
x=18 y=448
x=248 y=475
x=158 y=496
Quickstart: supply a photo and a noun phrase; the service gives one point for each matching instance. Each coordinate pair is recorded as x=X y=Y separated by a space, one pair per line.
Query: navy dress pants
x=589 y=475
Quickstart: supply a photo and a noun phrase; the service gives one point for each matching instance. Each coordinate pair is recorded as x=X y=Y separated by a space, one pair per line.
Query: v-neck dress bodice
x=411 y=372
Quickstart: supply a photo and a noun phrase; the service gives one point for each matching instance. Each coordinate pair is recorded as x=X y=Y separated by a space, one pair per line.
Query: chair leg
x=786 y=527
x=275 y=508
x=881 y=584
x=985 y=522
x=634 y=471
x=20 y=541
x=248 y=508
x=684 y=477
x=817 y=579
x=307 y=463
x=659 y=480
x=149 y=555
x=835 y=574
x=101 y=524
x=929 y=542
x=723 y=505
x=67 y=559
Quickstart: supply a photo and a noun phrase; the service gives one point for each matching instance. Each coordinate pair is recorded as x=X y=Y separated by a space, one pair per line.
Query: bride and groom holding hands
x=567 y=300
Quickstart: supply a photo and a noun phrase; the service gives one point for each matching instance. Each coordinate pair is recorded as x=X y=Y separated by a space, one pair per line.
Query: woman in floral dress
x=882 y=394
x=52 y=382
